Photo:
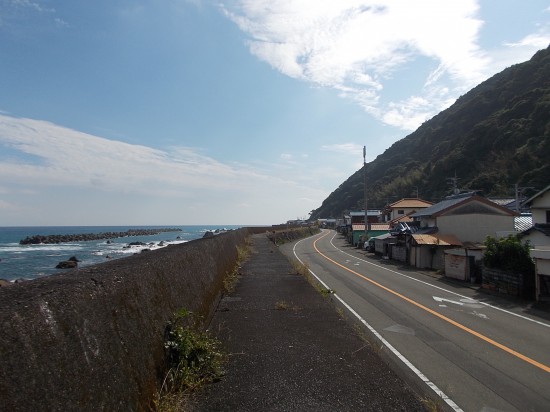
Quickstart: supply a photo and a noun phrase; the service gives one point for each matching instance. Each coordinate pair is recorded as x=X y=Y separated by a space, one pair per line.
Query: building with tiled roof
x=404 y=207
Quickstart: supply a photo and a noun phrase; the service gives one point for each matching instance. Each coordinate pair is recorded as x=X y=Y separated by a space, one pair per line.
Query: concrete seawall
x=92 y=338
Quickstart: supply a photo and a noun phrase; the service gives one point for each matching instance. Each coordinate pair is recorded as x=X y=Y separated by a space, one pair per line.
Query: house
x=539 y=238
x=404 y=207
x=356 y=229
x=460 y=221
x=539 y=233
x=469 y=217
x=375 y=229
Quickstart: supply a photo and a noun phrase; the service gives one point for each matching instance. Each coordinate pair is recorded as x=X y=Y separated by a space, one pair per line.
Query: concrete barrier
x=93 y=338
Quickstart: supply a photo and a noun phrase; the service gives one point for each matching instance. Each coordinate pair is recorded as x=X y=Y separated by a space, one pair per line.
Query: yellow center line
x=439 y=315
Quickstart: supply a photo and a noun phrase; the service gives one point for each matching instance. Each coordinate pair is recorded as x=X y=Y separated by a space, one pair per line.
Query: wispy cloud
x=345 y=148
x=357 y=46
x=56 y=158
x=14 y=11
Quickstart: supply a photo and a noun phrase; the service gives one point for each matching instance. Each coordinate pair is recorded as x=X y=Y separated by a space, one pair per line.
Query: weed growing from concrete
x=374 y=344
x=301 y=269
x=281 y=305
x=231 y=278
x=433 y=405
x=193 y=357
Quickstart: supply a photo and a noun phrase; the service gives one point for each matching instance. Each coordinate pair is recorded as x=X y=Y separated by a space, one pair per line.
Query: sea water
x=34 y=261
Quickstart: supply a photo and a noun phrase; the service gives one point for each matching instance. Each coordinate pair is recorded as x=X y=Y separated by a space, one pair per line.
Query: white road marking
x=443 y=289
x=403 y=359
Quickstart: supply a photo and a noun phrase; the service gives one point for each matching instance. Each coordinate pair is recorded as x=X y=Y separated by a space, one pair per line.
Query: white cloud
x=358 y=46
x=57 y=160
x=345 y=148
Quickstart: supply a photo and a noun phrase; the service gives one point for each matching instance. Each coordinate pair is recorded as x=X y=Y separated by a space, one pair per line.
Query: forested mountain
x=496 y=135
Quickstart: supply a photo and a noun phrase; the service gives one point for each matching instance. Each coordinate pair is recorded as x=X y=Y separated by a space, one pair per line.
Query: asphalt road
x=477 y=352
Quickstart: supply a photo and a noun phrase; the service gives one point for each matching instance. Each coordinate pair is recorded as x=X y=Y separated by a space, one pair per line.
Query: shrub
x=193 y=358
x=508 y=254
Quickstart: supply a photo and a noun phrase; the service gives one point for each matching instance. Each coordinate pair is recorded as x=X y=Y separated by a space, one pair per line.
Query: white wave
x=126 y=249
x=42 y=248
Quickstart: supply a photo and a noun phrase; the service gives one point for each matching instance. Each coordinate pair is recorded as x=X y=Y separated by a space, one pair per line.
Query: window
x=548 y=216
x=401 y=212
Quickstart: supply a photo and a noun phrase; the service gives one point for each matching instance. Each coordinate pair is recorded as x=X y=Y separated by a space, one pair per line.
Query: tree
x=508 y=254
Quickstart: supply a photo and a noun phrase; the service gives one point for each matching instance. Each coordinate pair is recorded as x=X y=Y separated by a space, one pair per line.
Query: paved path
x=291 y=351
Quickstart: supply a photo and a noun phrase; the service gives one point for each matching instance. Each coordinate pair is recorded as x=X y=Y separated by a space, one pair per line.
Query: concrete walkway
x=291 y=351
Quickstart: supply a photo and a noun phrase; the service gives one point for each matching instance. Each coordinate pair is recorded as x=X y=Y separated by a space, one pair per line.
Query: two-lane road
x=476 y=355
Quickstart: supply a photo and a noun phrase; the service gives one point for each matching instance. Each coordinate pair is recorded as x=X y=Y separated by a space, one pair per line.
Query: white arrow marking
x=447 y=300
x=469 y=303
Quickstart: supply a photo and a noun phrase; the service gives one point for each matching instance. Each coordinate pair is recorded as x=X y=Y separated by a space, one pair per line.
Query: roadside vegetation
x=193 y=357
x=303 y=269
x=509 y=254
x=231 y=278
x=281 y=237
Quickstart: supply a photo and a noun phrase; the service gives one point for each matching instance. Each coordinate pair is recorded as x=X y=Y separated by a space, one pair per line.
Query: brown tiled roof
x=410 y=203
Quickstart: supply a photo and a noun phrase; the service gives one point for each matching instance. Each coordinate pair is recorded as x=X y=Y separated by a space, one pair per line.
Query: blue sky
x=143 y=112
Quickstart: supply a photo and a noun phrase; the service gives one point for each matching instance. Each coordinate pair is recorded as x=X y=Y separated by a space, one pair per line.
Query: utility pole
x=519 y=195
x=454 y=182
x=365 y=171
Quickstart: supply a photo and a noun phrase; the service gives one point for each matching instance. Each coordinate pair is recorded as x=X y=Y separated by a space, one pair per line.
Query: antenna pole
x=365 y=186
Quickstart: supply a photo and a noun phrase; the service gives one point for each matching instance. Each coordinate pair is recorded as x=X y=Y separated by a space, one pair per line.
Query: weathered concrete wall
x=92 y=339
x=279 y=235
x=502 y=282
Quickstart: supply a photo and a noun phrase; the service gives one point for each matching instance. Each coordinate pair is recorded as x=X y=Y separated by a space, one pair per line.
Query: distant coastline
x=84 y=237
x=30 y=261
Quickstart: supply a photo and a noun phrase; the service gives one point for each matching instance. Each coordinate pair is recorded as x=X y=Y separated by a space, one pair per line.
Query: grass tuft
x=231 y=278
x=433 y=405
x=193 y=357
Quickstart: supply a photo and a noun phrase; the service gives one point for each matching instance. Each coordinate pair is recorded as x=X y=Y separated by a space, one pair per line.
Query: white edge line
x=440 y=288
x=403 y=359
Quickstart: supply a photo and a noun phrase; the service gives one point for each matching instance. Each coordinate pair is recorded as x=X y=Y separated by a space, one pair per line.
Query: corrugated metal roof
x=382 y=237
x=440 y=240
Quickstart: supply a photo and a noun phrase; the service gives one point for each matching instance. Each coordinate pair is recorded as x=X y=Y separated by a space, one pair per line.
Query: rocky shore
x=83 y=237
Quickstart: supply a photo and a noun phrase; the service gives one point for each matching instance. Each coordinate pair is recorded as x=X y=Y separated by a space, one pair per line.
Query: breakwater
x=93 y=338
x=84 y=237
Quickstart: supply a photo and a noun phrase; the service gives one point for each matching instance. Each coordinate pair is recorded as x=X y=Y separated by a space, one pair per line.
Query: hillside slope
x=496 y=135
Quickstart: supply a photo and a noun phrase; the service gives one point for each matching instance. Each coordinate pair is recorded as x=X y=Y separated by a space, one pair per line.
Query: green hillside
x=496 y=135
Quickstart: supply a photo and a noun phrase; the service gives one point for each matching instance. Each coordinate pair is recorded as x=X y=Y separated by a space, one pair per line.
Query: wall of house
x=93 y=338
x=457 y=266
x=427 y=222
x=399 y=253
x=536 y=239
x=542 y=270
x=425 y=259
x=395 y=214
x=539 y=207
x=474 y=227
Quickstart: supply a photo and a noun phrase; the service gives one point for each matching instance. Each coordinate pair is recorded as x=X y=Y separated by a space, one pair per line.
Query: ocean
x=34 y=261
